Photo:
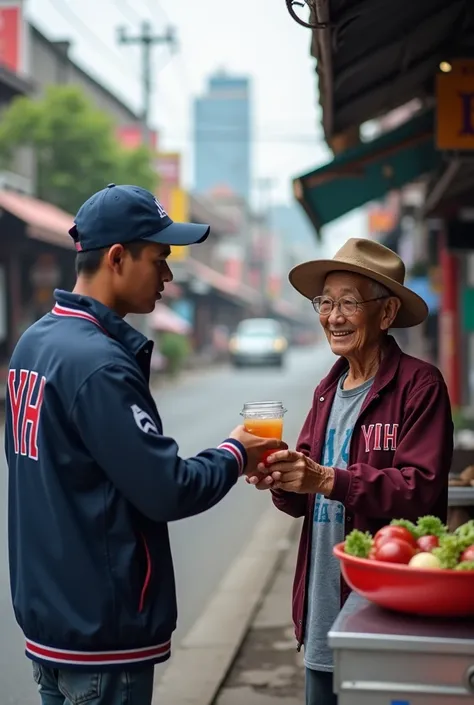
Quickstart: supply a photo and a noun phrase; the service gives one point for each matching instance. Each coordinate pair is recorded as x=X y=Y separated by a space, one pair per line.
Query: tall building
x=222 y=135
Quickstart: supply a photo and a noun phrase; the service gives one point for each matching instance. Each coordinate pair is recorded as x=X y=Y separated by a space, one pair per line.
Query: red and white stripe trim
x=98 y=658
x=59 y=310
x=234 y=450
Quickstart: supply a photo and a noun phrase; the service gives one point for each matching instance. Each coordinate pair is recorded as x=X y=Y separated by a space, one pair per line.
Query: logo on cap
x=161 y=210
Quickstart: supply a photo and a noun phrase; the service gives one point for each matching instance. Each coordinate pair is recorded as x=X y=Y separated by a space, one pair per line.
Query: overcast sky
x=251 y=37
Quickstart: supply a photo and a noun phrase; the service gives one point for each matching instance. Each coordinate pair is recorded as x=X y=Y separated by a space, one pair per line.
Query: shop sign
x=455 y=107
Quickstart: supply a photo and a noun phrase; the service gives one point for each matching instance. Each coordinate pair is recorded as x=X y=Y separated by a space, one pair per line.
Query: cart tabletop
x=361 y=624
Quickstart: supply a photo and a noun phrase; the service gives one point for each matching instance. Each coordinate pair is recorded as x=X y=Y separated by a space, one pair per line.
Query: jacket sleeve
x=421 y=463
x=144 y=465
x=290 y=502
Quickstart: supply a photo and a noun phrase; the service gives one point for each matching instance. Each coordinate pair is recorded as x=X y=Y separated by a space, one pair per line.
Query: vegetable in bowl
x=424 y=544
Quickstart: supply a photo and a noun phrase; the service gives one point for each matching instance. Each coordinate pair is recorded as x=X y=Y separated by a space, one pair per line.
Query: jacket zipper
x=146 y=582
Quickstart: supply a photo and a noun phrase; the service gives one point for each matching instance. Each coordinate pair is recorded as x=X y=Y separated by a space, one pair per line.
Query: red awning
x=231 y=287
x=43 y=220
x=164 y=319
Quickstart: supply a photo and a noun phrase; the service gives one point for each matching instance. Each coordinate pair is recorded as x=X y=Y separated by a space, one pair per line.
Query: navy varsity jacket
x=92 y=484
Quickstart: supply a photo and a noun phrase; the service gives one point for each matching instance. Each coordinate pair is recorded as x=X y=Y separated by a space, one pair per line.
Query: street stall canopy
x=43 y=220
x=375 y=55
x=369 y=171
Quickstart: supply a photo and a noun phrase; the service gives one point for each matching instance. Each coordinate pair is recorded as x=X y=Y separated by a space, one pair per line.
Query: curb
x=200 y=664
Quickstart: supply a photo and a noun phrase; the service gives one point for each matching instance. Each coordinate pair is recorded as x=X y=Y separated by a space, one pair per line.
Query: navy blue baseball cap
x=122 y=214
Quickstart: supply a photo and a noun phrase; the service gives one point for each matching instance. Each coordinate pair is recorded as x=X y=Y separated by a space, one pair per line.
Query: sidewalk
x=268 y=670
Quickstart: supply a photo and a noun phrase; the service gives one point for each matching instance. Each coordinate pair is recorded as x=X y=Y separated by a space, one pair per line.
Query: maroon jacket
x=399 y=459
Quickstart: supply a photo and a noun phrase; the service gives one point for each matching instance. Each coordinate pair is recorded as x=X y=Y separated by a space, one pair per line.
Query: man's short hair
x=88 y=263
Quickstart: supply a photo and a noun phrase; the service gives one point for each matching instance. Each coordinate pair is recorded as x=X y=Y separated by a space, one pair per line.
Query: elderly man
x=377 y=443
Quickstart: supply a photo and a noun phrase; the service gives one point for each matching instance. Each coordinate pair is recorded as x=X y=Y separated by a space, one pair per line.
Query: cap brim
x=181 y=234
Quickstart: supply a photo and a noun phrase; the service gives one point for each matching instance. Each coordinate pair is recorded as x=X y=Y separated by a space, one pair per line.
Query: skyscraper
x=222 y=135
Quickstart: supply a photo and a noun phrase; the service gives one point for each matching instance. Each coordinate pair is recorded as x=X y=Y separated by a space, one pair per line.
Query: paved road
x=199 y=412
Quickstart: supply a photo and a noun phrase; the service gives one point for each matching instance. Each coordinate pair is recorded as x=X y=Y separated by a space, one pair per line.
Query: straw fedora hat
x=372 y=260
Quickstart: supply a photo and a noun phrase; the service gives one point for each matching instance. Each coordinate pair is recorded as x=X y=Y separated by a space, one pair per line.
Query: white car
x=258 y=341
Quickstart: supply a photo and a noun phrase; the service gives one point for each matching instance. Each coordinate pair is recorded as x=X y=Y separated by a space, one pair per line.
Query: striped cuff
x=236 y=449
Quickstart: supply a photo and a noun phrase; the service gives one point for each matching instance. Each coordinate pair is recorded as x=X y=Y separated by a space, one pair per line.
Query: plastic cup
x=264 y=419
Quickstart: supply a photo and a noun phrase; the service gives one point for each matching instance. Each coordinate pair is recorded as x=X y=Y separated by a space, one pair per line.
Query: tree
x=75 y=146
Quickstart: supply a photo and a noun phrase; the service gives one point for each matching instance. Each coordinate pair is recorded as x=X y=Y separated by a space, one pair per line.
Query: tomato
x=468 y=554
x=427 y=543
x=394 y=532
x=394 y=551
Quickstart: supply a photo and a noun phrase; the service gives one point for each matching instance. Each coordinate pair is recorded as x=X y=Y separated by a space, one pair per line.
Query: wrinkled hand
x=255 y=447
x=292 y=471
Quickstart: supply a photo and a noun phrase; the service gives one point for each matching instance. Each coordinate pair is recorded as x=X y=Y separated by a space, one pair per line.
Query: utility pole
x=146 y=39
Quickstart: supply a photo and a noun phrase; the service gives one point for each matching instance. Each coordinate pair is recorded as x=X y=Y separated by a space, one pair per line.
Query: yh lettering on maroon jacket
x=380 y=436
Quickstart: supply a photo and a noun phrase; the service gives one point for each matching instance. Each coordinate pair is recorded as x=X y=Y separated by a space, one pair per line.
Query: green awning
x=369 y=171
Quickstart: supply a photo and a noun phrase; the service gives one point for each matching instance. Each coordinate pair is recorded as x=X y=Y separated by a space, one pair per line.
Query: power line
x=213 y=136
x=71 y=17
x=153 y=6
x=127 y=10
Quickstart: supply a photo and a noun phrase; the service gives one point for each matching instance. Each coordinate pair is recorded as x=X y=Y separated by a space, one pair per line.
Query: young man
x=92 y=479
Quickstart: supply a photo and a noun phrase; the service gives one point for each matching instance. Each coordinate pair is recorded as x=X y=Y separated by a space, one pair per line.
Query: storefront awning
x=164 y=318
x=376 y=55
x=369 y=171
x=43 y=220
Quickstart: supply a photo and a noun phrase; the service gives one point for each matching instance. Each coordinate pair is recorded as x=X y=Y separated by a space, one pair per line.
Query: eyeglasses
x=348 y=306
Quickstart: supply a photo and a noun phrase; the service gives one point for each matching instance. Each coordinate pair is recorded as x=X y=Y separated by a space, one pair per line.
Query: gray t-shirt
x=323 y=597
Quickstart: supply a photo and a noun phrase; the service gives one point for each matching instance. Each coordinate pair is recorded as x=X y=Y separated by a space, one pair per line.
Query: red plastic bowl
x=427 y=592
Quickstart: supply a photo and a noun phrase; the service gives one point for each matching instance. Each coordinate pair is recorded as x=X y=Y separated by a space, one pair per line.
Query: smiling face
x=360 y=332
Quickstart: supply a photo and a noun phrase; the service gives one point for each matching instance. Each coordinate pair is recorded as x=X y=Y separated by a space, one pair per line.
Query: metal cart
x=384 y=658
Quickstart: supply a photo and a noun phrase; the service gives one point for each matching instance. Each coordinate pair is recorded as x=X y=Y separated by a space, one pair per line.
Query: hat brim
x=181 y=234
x=308 y=279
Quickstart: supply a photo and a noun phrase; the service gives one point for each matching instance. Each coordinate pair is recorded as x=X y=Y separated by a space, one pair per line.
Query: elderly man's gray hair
x=379 y=290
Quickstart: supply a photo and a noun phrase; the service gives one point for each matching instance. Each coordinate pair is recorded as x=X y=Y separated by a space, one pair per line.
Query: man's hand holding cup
x=256 y=447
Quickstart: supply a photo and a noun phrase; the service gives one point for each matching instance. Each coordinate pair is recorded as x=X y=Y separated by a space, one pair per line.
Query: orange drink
x=264 y=419
x=265 y=428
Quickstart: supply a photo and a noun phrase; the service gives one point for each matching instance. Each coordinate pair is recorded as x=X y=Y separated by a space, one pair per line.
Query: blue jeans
x=74 y=687
x=319 y=688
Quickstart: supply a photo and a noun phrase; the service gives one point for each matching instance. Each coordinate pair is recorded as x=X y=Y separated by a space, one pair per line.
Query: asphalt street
x=199 y=412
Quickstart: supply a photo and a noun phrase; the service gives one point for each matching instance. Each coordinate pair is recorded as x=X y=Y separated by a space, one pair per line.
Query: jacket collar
x=77 y=306
x=385 y=374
